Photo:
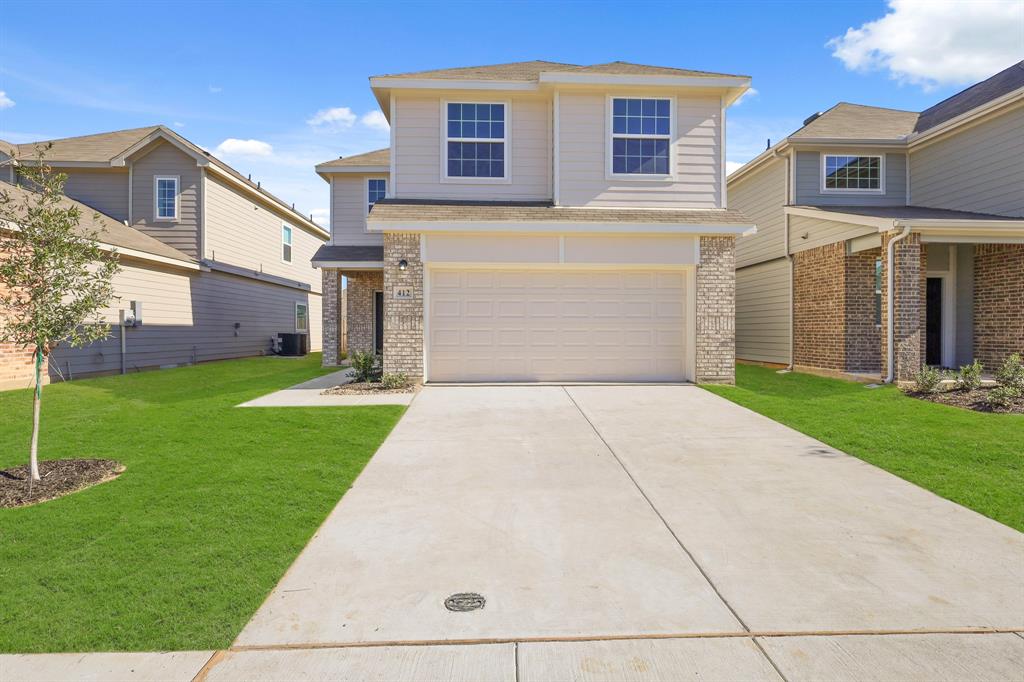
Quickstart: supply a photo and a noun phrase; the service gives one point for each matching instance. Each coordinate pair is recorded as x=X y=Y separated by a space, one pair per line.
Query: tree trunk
x=36 y=401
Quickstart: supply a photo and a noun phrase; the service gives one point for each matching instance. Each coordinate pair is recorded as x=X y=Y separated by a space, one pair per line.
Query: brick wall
x=910 y=288
x=331 y=316
x=998 y=302
x=819 y=320
x=716 y=311
x=862 y=339
x=403 y=318
x=16 y=367
x=359 y=309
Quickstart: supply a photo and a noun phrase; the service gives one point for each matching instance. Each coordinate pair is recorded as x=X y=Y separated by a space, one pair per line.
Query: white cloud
x=5 y=101
x=376 y=120
x=732 y=166
x=214 y=89
x=337 y=117
x=179 y=124
x=235 y=147
x=749 y=94
x=321 y=216
x=934 y=42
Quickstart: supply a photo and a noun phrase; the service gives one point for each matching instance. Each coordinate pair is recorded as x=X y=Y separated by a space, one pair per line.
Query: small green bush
x=1011 y=373
x=394 y=381
x=969 y=377
x=365 y=366
x=928 y=379
x=1003 y=396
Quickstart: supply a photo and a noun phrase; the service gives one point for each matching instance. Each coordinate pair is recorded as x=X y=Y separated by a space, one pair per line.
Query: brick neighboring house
x=538 y=221
x=944 y=188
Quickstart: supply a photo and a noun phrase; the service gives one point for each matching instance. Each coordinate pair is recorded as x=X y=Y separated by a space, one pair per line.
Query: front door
x=378 y=322
x=933 y=322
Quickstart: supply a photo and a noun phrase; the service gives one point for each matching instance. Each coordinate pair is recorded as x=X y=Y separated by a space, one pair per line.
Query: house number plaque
x=403 y=293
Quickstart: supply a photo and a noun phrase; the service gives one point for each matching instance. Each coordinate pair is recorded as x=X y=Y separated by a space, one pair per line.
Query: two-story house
x=888 y=239
x=220 y=265
x=538 y=221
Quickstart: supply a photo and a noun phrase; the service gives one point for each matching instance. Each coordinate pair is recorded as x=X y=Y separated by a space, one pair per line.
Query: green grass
x=972 y=458
x=215 y=504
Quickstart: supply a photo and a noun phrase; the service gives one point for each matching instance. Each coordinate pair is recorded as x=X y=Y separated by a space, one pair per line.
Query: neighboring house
x=938 y=194
x=239 y=272
x=540 y=222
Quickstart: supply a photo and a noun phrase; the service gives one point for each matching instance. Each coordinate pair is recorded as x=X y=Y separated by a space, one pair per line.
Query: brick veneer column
x=403 y=318
x=331 y=315
x=862 y=339
x=716 y=311
x=909 y=308
x=998 y=302
x=819 y=318
x=359 y=309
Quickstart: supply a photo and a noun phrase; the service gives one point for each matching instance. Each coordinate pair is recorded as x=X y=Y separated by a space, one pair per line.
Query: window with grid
x=286 y=244
x=167 y=198
x=375 y=189
x=641 y=136
x=475 y=144
x=853 y=172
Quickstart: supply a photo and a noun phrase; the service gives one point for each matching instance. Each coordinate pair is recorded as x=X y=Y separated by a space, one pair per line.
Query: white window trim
x=507 y=180
x=291 y=235
x=881 y=176
x=609 y=135
x=366 y=190
x=156 y=198
x=306 y=306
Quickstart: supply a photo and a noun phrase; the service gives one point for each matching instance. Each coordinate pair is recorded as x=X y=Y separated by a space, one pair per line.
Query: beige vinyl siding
x=761 y=196
x=584 y=137
x=165 y=159
x=762 y=312
x=246 y=234
x=418 y=143
x=348 y=211
x=979 y=169
x=810 y=233
x=808 y=181
x=188 y=316
x=104 y=190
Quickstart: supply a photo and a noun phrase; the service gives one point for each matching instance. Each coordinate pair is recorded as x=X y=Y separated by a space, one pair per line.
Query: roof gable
x=378 y=157
x=858 y=122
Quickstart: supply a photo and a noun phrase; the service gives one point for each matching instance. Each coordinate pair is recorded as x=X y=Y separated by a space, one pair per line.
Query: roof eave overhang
x=1009 y=99
x=158 y=134
x=559 y=227
x=856 y=142
x=325 y=169
x=352 y=265
x=948 y=227
x=57 y=163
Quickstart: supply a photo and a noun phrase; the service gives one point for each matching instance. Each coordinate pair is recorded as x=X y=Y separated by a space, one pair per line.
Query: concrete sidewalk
x=310 y=394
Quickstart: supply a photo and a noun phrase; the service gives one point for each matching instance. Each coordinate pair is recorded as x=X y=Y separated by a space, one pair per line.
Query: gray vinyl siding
x=165 y=159
x=761 y=196
x=808 y=183
x=810 y=233
x=104 y=190
x=762 y=312
x=348 y=211
x=979 y=169
x=189 y=315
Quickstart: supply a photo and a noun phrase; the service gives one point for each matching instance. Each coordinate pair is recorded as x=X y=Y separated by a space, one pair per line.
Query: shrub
x=394 y=381
x=365 y=366
x=1011 y=374
x=1003 y=396
x=969 y=377
x=928 y=380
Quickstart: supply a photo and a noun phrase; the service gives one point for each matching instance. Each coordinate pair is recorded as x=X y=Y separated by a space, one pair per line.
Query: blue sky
x=249 y=79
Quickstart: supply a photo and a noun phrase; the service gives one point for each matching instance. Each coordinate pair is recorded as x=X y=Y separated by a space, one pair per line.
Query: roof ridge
x=476 y=66
x=872 y=106
x=109 y=132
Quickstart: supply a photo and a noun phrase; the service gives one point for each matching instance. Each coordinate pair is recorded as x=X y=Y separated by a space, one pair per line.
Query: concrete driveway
x=637 y=532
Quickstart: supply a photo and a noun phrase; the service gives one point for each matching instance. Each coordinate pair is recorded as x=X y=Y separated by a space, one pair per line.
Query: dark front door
x=378 y=322
x=933 y=322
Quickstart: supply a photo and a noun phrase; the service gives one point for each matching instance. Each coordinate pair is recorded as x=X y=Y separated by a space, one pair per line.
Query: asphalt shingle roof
x=531 y=70
x=378 y=157
x=856 y=121
x=1004 y=82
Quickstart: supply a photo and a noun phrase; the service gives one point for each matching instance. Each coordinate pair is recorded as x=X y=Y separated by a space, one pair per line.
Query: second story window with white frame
x=851 y=173
x=476 y=134
x=376 y=189
x=286 y=244
x=165 y=197
x=641 y=141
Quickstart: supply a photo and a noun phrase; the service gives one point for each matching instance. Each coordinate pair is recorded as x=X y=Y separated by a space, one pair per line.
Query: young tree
x=54 y=278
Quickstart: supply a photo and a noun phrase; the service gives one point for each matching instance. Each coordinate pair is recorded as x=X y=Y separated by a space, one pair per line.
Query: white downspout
x=891 y=303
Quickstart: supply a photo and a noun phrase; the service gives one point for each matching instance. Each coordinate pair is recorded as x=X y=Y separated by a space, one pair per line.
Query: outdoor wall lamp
x=403 y=264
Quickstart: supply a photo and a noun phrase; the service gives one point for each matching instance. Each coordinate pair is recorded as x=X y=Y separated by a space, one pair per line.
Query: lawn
x=972 y=458
x=215 y=504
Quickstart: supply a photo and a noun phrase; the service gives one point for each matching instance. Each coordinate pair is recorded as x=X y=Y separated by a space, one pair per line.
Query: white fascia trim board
x=940 y=238
x=769 y=154
x=151 y=257
x=350 y=264
x=561 y=227
x=570 y=78
x=331 y=170
x=883 y=224
x=916 y=139
x=449 y=84
x=119 y=160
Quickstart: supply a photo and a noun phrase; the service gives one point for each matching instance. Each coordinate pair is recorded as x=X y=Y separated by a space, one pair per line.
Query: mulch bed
x=60 y=477
x=969 y=400
x=363 y=388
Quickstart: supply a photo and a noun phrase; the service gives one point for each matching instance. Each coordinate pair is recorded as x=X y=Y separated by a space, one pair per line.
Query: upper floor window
x=641 y=136
x=165 y=196
x=475 y=140
x=376 y=188
x=851 y=173
x=286 y=244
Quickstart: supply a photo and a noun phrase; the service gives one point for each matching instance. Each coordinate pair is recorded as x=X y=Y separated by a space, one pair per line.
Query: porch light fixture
x=403 y=264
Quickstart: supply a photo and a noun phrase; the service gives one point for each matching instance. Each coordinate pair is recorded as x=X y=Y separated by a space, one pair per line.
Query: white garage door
x=557 y=325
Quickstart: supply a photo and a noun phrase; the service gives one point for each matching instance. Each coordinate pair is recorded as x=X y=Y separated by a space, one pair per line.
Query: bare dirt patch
x=976 y=400
x=60 y=477
x=363 y=388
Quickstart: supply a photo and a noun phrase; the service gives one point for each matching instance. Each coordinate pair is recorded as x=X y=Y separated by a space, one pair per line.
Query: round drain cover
x=465 y=601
